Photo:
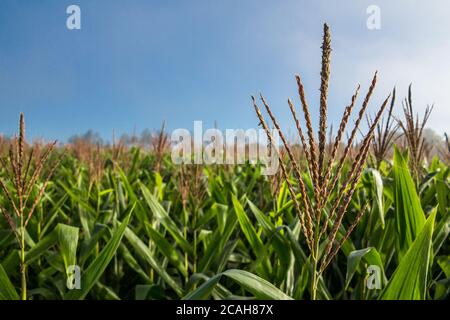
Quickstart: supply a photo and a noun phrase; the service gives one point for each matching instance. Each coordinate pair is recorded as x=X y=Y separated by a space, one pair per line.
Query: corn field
x=363 y=219
x=218 y=232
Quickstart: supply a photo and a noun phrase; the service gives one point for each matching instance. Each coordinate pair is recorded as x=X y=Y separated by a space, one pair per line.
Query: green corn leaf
x=42 y=246
x=129 y=259
x=204 y=291
x=87 y=248
x=53 y=214
x=279 y=243
x=444 y=263
x=442 y=190
x=250 y=234
x=441 y=233
x=68 y=241
x=409 y=280
x=98 y=266
x=165 y=219
x=105 y=292
x=217 y=244
x=144 y=252
x=302 y=260
x=377 y=183
x=147 y=291
x=132 y=197
x=248 y=229
x=64 y=235
x=259 y=287
x=409 y=215
x=369 y=255
x=167 y=249
x=282 y=196
x=7 y=291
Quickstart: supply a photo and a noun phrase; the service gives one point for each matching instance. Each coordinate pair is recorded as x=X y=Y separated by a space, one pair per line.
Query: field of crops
x=365 y=219
x=222 y=232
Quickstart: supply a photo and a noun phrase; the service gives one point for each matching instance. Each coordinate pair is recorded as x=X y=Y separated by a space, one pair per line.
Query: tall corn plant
x=23 y=174
x=412 y=127
x=385 y=135
x=321 y=218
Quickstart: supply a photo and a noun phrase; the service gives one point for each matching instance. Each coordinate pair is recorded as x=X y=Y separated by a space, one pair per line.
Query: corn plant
x=412 y=128
x=319 y=219
x=23 y=175
x=385 y=135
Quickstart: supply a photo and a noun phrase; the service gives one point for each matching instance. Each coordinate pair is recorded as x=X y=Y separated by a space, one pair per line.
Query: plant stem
x=186 y=257
x=22 y=260
x=194 y=222
x=315 y=256
x=194 y=263
x=195 y=252
x=314 y=275
x=313 y=282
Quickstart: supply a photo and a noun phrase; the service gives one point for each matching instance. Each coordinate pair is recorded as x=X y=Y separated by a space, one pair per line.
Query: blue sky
x=136 y=63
